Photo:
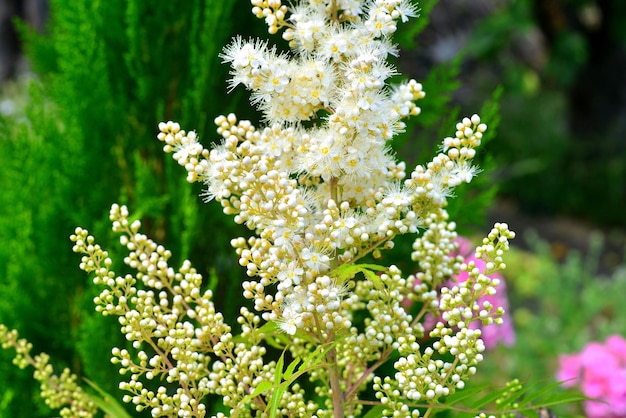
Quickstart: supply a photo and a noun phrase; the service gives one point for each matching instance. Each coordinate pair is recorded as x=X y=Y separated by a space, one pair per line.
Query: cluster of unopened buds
x=62 y=391
x=500 y=331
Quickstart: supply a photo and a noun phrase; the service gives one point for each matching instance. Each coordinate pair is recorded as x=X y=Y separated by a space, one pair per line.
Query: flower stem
x=335 y=384
x=333 y=188
x=334 y=195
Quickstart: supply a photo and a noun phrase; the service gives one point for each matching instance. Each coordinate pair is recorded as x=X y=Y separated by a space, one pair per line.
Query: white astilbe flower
x=319 y=189
x=278 y=181
x=309 y=26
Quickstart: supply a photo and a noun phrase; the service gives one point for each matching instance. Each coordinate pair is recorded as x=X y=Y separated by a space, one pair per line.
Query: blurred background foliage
x=78 y=135
x=561 y=64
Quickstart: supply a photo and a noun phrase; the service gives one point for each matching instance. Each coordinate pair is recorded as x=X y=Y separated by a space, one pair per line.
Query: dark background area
x=560 y=149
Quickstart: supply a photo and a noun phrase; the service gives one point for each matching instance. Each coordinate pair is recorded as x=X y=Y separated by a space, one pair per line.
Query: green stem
x=334 y=195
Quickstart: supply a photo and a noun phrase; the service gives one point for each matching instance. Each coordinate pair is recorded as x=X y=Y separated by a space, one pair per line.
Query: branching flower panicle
x=320 y=190
x=59 y=392
x=323 y=195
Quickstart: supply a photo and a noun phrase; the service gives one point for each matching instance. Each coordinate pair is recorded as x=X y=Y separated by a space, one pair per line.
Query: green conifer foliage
x=105 y=68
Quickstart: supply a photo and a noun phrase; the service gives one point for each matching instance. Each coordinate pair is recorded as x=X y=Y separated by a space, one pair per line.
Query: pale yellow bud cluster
x=273 y=11
x=433 y=248
x=433 y=184
x=59 y=392
x=389 y=396
x=187 y=151
x=422 y=376
x=178 y=335
x=160 y=308
x=494 y=246
x=389 y=322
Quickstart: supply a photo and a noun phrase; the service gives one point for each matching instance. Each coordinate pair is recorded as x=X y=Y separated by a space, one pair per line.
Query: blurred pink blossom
x=600 y=372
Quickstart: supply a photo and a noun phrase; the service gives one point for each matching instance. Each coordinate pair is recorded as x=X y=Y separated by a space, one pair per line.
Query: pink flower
x=617 y=345
x=600 y=372
x=569 y=369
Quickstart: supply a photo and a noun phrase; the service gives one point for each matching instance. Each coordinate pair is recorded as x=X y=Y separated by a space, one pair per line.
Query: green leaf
x=292 y=366
x=528 y=398
x=373 y=277
x=106 y=402
x=375 y=267
x=466 y=393
x=375 y=412
x=346 y=272
x=278 y=388
x=262 y=387
x=543 y=391
x=488 y=398
x=278 y=372
x=316 y=356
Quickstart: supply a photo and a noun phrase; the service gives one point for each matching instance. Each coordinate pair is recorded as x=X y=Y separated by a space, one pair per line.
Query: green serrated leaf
x=488 y=398
x=531 y=395
x=279 y=389
x=275 y=401
x=268 y=328
x=316 y=356
x=373 y=277
x=275 y=342
x=558 y=398
x=375 y=267
x=278 y=371
x=345 y=272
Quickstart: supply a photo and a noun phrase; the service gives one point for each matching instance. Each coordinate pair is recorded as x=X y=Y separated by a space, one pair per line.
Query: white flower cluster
x=319 y=185
x=320 y=189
